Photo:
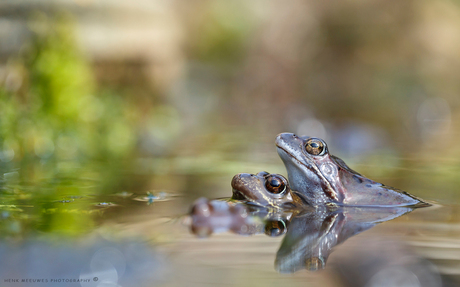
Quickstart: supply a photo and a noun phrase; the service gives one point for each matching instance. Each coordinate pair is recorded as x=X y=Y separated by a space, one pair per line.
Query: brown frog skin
x=324 y=179
x=265 y=189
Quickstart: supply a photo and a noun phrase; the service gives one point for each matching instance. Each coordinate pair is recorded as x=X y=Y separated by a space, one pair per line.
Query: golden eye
x=275 y=184
x=314 y=146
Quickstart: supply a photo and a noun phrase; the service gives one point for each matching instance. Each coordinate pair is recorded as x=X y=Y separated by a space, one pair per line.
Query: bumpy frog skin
x=322 y=178
x=264 y=189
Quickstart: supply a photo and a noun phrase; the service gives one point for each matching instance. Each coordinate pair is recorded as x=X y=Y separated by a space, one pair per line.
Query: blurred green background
x=100 y=97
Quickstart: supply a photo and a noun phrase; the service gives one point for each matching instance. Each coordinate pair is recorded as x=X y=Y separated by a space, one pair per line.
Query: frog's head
x=312 y=171
x=262 y=189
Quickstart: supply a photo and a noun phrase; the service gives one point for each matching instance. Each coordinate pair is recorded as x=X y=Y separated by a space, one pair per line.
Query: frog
x=265 y=189
x=249 y=211
x=321 y=178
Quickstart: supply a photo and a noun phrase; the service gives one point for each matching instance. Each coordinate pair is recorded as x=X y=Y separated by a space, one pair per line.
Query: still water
x=98 y=225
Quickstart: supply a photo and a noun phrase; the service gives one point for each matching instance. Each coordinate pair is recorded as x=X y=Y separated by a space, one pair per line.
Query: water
x=105 y=226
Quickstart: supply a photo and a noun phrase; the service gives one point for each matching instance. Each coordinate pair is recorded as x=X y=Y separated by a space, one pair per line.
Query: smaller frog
x=256 y=195
x=265 y=189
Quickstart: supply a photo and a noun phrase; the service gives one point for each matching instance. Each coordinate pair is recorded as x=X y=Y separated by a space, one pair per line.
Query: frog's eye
x=275 y=184
x=315 y=147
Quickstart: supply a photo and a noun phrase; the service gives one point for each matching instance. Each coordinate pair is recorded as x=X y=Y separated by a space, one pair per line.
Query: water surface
x=130 y=227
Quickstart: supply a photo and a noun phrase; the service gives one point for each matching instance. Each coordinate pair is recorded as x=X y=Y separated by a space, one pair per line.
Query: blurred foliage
x=65 y=139
x=57 y=112
x=224 y=29
x=53 y=112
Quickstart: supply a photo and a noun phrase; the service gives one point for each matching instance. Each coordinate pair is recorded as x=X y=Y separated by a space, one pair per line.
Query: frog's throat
x=327 y=188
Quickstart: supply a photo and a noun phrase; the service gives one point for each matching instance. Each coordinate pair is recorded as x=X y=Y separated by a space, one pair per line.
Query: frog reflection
x=324 y=179
x=311 y=233
x=214 y=216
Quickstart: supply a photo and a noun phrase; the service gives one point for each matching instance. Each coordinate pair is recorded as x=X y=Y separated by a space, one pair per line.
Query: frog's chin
x=293 y=168
x=284 y=155
x=292 y=164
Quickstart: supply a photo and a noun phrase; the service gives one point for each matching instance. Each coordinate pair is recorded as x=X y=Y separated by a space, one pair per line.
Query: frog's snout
x=284 y=139
x=236 y=180
x=240 y=179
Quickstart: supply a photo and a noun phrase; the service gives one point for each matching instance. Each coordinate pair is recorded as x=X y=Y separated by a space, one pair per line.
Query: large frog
x=322 y=178
x=265 y=189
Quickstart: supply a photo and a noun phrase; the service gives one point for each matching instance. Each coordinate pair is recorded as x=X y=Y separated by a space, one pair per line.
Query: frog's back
x=361 y=191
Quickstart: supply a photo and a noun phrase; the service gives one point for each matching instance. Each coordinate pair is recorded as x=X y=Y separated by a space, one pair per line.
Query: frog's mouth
x=327 y=188
x=238 y=195
x=292 y=157
x=239 y=182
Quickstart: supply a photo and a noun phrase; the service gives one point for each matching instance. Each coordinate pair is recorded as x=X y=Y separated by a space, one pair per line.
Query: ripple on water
x=105 y=204
x=152 y=197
